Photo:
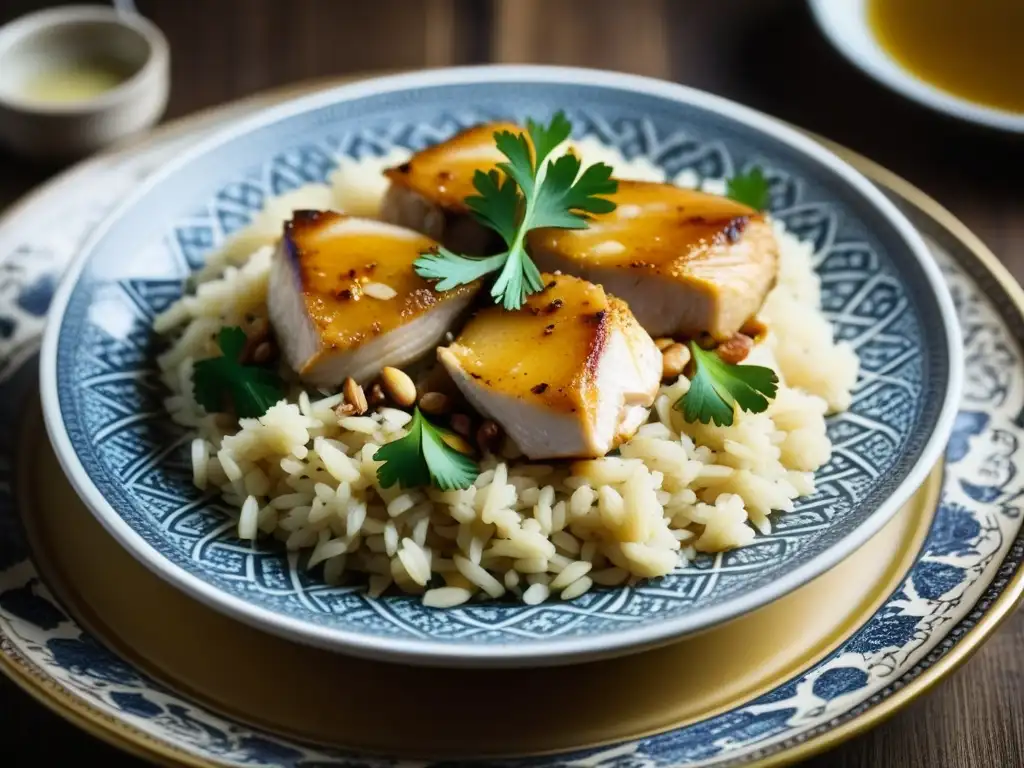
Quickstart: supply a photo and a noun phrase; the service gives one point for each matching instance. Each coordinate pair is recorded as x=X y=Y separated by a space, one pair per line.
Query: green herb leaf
x=750 y=188
x=451 y=270
x=562 y=196
x=497 y=205
x=525 y=200
x=449 y=469
x=518 y=278
x=219 y=380
x=422 y=457
x=545 y=139
x=520 y=167
x=717 y=387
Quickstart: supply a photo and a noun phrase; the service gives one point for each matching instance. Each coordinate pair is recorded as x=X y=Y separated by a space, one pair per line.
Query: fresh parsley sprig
x=216 y=381
x=524 y=200
x=718 y=386
x=750 y=188
x=424 y=456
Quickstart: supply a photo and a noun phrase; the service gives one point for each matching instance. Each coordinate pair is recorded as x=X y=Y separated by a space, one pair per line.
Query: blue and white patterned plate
x=967 y=577
x=101 y=394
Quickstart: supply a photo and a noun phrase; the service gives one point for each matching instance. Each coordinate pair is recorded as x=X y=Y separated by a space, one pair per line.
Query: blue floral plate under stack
x=93 y=634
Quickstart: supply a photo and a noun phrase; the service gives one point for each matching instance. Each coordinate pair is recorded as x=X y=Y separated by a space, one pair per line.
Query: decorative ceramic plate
x=101 y=396
x=963 y=580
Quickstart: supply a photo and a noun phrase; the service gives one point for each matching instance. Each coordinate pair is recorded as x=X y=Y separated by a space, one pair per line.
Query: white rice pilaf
x=306 y=476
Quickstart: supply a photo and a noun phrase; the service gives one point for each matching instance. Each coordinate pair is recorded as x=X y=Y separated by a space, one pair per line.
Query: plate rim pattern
x=948 y=656
x=548 y=650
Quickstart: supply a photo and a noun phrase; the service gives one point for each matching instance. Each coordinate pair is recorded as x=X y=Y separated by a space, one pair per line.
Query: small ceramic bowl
x=845 y=24
x=75 y=79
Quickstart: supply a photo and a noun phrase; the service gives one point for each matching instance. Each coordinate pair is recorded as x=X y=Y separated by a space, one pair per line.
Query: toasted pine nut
x=355 y=396
x=736 y=349
x=434 y=403
x=398 y=386
x=664 y=342
x=673 y=359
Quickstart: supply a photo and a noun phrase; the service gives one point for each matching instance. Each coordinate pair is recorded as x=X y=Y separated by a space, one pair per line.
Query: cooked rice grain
x=308 y=478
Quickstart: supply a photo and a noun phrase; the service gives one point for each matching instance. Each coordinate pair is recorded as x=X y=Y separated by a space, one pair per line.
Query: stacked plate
x=152 y=623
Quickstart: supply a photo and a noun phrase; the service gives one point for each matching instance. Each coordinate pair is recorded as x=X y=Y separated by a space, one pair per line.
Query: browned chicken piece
x=345 y=300
x=428 y=192
x=686 y=262
x=569 y=375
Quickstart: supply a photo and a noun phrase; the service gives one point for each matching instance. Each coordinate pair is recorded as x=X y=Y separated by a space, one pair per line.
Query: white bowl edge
x=845 y=24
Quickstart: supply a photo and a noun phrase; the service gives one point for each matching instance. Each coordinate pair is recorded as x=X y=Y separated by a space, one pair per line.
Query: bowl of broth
x=962 y=59
x=75 y=79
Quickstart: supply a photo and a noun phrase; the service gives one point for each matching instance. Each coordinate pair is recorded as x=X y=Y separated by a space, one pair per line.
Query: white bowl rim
x=30 y=24
x=834 y=18
x=550 y=651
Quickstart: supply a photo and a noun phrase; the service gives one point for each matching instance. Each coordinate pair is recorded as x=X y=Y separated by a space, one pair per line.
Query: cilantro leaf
x=546 y=138
x=520 y=167
x=717 y=387
x=449 y=469
x=497 y=205
x=403 y=460
x=563 y=196
x=452 y=270
x=750 y=188
x=231 y=341
x=217 y=380
x=422 y=457
x=519 y=277
x=527 y=199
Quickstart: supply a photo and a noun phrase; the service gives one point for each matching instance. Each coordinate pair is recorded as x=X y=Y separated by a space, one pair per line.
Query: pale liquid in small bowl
x=72 y=82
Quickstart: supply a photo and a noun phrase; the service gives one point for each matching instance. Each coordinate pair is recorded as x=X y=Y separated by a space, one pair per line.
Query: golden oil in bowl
x=973 y=49
x=72 y=82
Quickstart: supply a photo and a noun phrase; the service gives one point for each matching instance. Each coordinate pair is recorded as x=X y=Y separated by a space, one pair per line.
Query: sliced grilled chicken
x=428 y=192
x=570 y=375
x=686 y=262
x=344 y=299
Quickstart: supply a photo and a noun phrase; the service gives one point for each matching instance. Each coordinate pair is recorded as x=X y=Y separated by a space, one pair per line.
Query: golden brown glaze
x=547 y=351
x=336 y=256
x=659 y=228
x=718 y=257
x=443 y=173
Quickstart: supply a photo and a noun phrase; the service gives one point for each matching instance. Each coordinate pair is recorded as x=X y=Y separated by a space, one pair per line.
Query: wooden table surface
x=765 y=53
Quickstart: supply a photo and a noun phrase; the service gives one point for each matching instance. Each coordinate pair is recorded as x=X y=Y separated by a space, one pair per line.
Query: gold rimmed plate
x=188 y=685
x=129 y=463
x=320 y=697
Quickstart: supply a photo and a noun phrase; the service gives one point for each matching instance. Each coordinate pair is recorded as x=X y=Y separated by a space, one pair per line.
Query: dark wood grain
x=765 y=53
